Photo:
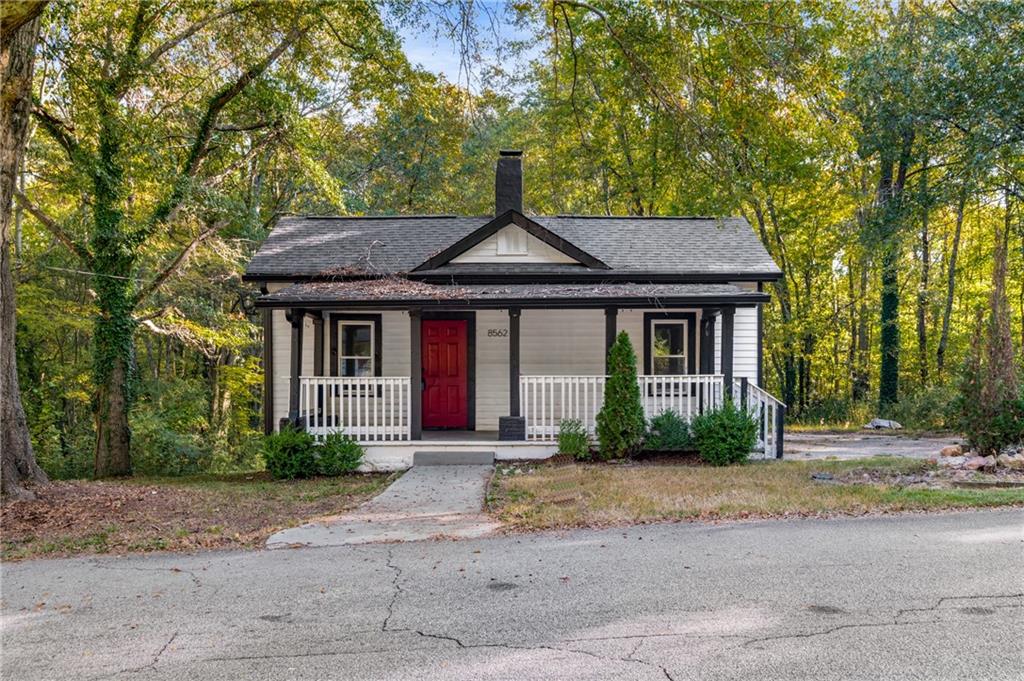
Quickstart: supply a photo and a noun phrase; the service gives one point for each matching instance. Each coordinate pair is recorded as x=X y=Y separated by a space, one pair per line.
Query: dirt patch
x=69 y=518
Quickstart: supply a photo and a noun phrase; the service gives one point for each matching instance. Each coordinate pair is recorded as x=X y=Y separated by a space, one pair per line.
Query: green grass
x=587 y=495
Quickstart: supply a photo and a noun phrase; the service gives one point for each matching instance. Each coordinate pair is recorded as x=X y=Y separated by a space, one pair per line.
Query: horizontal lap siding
x=744 y=344
x=282 y=360
x=491 y=368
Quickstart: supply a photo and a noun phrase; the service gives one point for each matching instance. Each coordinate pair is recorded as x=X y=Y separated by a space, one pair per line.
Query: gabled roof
x=511 y=217
x=679 y=247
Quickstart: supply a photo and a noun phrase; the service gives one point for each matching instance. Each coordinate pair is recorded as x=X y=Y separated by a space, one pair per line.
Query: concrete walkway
x=858 y=445
x=428 y=502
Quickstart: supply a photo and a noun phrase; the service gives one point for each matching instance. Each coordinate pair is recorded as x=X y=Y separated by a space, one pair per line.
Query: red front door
x=445 y=374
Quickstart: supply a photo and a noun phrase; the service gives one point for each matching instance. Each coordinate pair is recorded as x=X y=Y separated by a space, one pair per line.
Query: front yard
x=173 y=514
x=546 y=496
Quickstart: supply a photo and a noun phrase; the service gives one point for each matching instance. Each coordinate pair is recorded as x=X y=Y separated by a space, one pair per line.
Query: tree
x=620 y=423
x=17 y=59
x=134 y=78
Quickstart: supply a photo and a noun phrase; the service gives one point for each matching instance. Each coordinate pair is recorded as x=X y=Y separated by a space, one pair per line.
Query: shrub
x=668 y=432
x=724 y=436
x=621 y=422
x=339 y=453
x=289 y=454
x=572 y=439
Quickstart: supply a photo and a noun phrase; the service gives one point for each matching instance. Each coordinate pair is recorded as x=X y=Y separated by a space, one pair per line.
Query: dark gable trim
x=691 y=337
x=511 y=217
x=470 y=319
x=378 y=338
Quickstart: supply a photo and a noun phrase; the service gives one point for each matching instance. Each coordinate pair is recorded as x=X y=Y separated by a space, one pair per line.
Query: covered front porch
x=504 y=372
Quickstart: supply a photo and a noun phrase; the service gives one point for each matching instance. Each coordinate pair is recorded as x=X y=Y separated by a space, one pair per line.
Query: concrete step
x=452 y=458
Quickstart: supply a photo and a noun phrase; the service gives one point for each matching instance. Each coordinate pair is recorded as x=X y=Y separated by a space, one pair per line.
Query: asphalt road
x=909 y=597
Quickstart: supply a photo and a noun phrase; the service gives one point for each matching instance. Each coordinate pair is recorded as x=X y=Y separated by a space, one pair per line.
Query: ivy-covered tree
x=153 y=104
x=620 y=423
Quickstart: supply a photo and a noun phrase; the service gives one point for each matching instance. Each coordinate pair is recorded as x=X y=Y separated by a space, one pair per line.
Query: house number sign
x=497 y=333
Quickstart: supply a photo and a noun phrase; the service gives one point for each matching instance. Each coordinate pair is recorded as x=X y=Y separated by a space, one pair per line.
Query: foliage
x=289 y=454
x=573 y=439
x=724 y=436
x=620 y=423
x=338 y=454
x=667 y=432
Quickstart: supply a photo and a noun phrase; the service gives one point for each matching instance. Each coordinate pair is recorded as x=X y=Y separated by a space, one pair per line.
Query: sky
x=438 y=52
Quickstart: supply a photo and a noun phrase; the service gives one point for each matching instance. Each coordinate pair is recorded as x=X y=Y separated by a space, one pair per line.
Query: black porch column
x=611 y=315
x=415 y=376
x=514 y=313
x=296 y=316
x=728 y=316
x=707 y=340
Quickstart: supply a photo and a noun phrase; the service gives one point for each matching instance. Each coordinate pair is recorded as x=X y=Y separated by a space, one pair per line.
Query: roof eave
x=746 y=299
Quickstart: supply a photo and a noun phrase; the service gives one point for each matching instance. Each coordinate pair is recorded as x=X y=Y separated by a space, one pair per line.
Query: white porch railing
x=767 y=411
x=548 y=400
x=370 y=409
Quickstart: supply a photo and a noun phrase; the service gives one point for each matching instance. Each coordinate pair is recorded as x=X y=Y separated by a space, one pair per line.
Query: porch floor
x=460 y=435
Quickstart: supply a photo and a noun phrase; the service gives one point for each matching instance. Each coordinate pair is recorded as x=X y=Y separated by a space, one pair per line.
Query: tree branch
x=60 y=131
x=175 y=40
x=178 y=261
x=201 y=145
x=17 y=13
x=53 y=228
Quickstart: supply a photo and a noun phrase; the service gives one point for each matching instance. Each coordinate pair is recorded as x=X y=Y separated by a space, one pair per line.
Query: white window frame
x=513 y=241
x=341 y=346
x=685 y=323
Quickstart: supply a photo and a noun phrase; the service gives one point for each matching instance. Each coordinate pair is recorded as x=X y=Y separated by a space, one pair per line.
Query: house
x=478 y=333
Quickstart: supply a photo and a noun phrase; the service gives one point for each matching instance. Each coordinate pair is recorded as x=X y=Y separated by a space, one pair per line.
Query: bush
x=724 y=436
x=289 y=454
x=572 y=439
x=338 y=454
x=668 y=432
x=621 y=423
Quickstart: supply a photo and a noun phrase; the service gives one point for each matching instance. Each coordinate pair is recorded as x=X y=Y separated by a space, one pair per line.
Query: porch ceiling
x=396 y=292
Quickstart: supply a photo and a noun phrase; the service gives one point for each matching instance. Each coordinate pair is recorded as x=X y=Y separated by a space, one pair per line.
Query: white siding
x=744 y=343
x=281 y=353
x=537 y=251
x=491 y=369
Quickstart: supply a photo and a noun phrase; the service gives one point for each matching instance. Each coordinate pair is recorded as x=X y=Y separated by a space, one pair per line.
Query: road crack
x=396 y=592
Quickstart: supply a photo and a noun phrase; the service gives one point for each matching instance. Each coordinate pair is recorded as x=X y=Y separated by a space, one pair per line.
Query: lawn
x=173 y=514
x=531 y=497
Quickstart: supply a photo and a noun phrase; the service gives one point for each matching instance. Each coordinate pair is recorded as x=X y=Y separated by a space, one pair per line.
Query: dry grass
x=171 y=514
x=595 y=495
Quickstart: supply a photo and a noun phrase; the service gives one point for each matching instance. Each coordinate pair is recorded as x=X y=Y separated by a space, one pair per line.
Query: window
x=355 y=354
x=512 y=241
x=668 y=347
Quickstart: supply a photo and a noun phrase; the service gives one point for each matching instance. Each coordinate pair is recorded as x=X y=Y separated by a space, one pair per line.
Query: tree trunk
x=17 y=461
x=940 y=352
x=113 y=437
x=922 y=292
x=114 y=263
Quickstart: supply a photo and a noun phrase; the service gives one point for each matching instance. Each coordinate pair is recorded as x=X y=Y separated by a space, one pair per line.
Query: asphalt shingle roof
x=317 y=246
x=397 y=289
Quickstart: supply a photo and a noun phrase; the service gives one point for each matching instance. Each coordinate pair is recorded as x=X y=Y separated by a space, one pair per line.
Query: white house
x=449 y=333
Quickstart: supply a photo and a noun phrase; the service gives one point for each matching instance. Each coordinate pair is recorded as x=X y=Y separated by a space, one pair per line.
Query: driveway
x=915 y=596
x=858 y=445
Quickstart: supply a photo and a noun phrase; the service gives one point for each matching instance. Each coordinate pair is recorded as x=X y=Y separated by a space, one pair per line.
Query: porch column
x=728 y=316
x=707 y=340
x=611 y=316
x=514 y=313
x=295 y=316
x=415 y=376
